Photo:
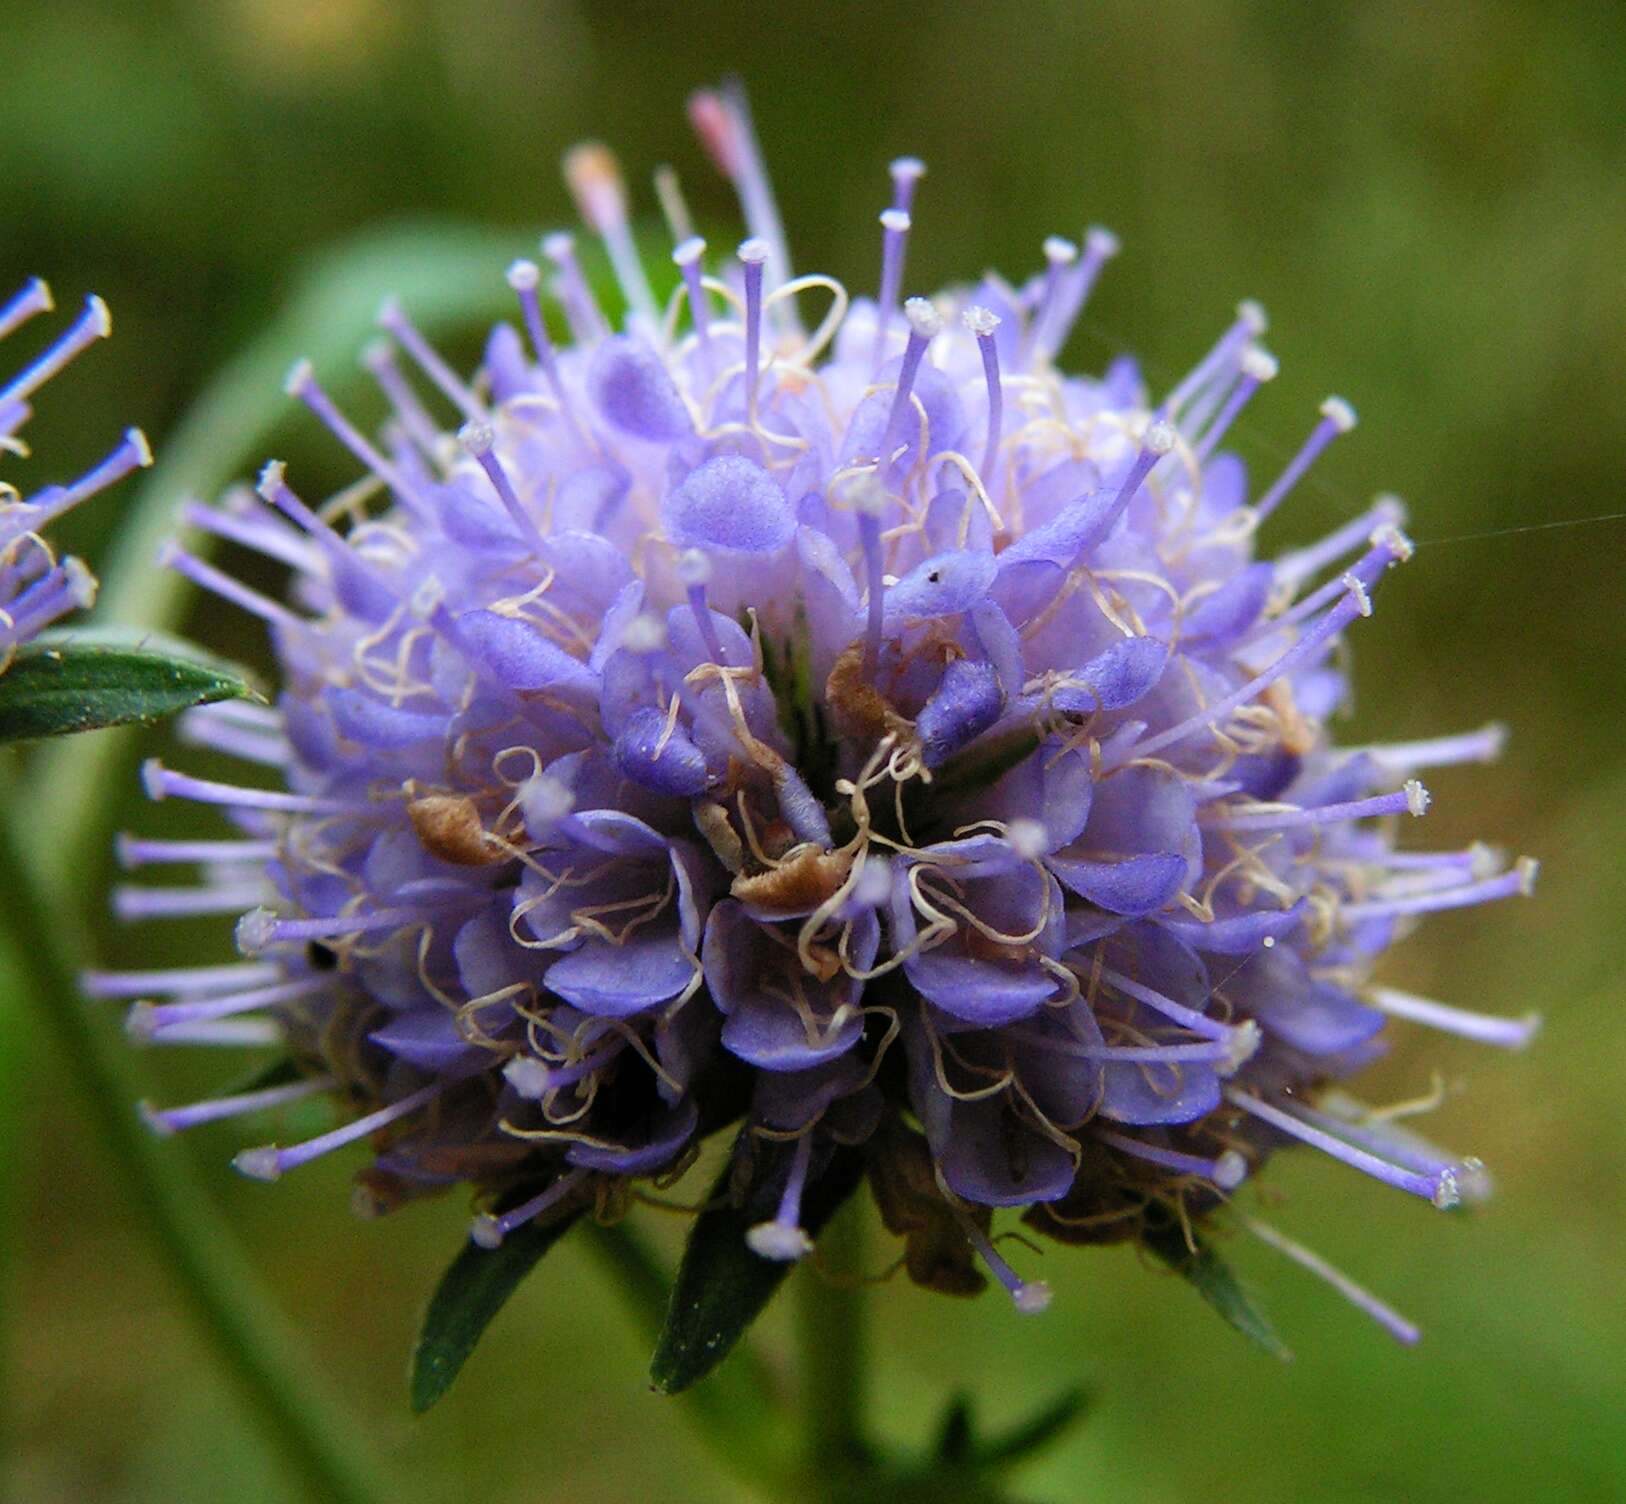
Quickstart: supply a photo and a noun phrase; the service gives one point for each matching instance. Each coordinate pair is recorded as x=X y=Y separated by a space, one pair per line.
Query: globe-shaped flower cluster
x=37 y=588
x=870 y=733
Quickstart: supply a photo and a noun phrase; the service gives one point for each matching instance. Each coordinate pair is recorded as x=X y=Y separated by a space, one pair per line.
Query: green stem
x=831 y=1332
x=224 y=1291
x=733 y=1409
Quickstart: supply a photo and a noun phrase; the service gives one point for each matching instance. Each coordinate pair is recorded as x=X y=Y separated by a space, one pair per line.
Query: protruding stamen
x=982 y=323
x=93 y=324
x=594 y=179
x=674 y=207
x=753 y=256
x=689 y=258
x=488 y=1231
x=134 y=904
x=1413 y=799
x=694 y=574
x=906 y=174
x=1059 y=254
x=176 y=1119
x=1250 y=324
x=33 y=298
x=894 y=246
x=1518 y=883
x=784 y=1238
x=1357 y=1295
x=1100 y=246
x=392 y=316
x=1353 y=603
x=1438 y=1188
x=582 y=313
x=378 y=359
x=524 y=277
x=1482 y=1028
x=722 y=120
x=147 y=1022
x=173 y=556
x=1257 y=366
x=1227 y=1171
x=261 y=928
x=1337 y=417
x=924 y=324
x=164 y=783
x=480 y=440
x=1483 y=745
x=1243 y=1038
x=271 y=1162
x=868 y=499
x=180 y=979
x=132 y=452
x=302 y=384
x=1030 y=1297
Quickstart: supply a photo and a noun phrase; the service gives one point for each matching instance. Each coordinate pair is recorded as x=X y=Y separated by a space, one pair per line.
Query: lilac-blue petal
x=729 y=503
x=630 y=385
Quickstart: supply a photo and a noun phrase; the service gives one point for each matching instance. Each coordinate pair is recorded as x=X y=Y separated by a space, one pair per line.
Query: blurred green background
x=1430 y=200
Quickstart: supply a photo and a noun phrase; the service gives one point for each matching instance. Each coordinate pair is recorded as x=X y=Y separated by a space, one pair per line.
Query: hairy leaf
x=71 y=681
x=1213 y=1280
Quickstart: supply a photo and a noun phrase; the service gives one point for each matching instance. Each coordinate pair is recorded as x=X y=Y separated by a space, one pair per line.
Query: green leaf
x=470 y=1293
x=71 y=681
x=1213 y=1280
x=722 y=1287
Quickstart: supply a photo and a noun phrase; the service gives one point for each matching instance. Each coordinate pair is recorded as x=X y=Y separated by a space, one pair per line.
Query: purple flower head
x=824 y=711
x=36 y=587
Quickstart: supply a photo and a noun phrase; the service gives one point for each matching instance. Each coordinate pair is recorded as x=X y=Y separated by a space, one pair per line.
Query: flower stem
x=831 y=1331
x=225 y=1293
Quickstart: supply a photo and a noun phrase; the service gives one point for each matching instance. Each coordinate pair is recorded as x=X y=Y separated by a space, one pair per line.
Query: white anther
x=1101 y=243
x=528 y=1076
x=1032 y=1298
x=1341 y=413
x=101 y=317
x=80 y=581
x=923 y=317
x=778 y=1241
x=1363 y=601
x=138 y=441
x=263 y=1163
x=1059 y=250
x=1028 y=838
x=545 y=800
x=297 y=379
x=755 y=251
x=152 y=779
x=979 y=320
x=896 y=220
x=1389 y=509
x=139 y=1027
x=1484 y=860
x=1258 y=364
x=558 y=246
x=693 y=568
x=1241 y=1045
x=1159 y=438
x=1417 y=797
x=155 y=1120
x=256 y=931
x=689 y=251
x=486 y=1231
x=1400 y=547
x=1230 y=1170
x=1446 y=1193
x=271 y=478
x=477 y=438
x=426 y=597
x=645 y=633
x=910 y=168
x=1253 y=314
x=1528 y=869
x=524 y=276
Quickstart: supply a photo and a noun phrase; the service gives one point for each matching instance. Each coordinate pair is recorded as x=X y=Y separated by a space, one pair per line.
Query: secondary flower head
x=866 y=730
x=37 y=588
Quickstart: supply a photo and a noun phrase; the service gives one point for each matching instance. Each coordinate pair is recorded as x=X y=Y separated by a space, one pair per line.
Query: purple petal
x=630 y=385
